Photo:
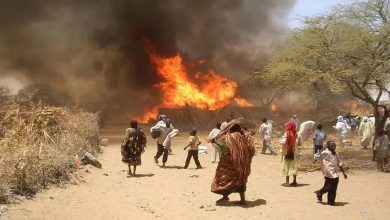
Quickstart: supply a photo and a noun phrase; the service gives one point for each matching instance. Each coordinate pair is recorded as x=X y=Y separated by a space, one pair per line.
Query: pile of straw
x=38 y=144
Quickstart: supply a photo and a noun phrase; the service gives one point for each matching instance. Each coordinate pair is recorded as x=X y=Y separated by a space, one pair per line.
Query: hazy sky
x=305 y=8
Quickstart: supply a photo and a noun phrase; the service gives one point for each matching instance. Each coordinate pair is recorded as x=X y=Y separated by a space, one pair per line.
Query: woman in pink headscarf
x=234 y=167
x=290 y=141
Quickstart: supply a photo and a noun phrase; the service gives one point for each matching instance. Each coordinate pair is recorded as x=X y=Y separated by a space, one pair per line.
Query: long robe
x=136 y=141
x=382 y=147
x=290 y=167
x=361 y=128
x=367 y=133
x=343 y=130
x=234 y=166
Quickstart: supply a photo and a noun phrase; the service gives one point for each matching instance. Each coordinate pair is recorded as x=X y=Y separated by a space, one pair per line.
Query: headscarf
x=229 y=126
x=292 y=136
x=241 y=147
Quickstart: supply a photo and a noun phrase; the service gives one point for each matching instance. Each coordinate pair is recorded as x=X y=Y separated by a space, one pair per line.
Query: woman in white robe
x=361 y=126
x=343 y=130
x=367 y=133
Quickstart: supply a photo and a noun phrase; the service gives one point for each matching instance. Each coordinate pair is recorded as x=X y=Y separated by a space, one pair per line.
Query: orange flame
x=352 y=106
x=211 y=91
x=273 y=107
x=243 y=102
x=150 y=114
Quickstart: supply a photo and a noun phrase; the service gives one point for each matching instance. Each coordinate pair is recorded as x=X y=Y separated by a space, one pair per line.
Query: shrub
x=39 y=143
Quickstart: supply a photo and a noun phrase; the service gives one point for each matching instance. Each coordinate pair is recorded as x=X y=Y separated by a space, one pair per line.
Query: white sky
x=307 y=8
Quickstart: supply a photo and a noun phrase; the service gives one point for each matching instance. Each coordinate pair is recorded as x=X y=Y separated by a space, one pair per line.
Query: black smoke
x=95 y=48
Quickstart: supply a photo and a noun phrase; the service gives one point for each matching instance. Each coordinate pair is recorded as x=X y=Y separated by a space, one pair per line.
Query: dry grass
x=39 y=143
x=353 y=157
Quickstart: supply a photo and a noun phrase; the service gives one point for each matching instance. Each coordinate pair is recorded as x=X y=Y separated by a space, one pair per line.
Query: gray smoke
x=95 y=48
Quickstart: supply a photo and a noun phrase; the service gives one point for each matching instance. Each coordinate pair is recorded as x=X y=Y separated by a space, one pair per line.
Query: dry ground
x=174 y=193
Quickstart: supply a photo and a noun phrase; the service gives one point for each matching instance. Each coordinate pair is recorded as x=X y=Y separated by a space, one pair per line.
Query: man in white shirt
x=212 y=135
x=330 y=165
x=266 y=133
x=165 y=129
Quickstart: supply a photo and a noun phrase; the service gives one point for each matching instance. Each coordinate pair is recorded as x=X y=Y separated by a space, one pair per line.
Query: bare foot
x=222 y=201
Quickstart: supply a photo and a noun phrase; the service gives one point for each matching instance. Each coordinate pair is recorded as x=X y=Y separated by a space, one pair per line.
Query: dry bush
x=39 y=143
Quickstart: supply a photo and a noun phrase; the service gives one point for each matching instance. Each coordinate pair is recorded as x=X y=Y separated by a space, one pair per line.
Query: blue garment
x=319 y=137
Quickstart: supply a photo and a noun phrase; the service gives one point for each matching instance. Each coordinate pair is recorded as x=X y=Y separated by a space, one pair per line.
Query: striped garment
x=235 y=166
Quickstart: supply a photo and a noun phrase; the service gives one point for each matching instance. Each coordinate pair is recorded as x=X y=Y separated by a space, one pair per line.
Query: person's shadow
x=298 y=185
x=143 y=175
x=249 y=204
x=336 y=204
x=171 y=167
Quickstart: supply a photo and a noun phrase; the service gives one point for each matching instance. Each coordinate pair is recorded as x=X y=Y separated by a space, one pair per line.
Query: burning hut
x=190 y=99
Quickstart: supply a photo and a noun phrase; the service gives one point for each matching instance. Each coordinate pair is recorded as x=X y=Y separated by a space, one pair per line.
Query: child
x=193 y=151
x=319 y=137
x=330 y=164
x=265 y=131
x=382 y=150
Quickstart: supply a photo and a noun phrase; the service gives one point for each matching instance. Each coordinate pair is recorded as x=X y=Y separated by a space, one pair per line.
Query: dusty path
x=173 y=193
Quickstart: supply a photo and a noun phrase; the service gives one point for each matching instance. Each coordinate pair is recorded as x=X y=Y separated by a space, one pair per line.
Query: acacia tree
x=346 y=51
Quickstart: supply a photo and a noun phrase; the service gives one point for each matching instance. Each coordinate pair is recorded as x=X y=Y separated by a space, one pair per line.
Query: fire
x=211 y=91
x=243 y=102
x=273 y=107
x=352 y=106
x=150 y=114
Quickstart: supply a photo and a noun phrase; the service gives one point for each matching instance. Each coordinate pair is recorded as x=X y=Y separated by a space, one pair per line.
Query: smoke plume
x=95 y=48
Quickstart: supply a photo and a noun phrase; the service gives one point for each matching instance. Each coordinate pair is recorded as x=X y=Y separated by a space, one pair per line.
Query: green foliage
x=346 y=51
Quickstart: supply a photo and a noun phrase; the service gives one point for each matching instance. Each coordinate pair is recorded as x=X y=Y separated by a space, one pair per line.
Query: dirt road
x=174 y=193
